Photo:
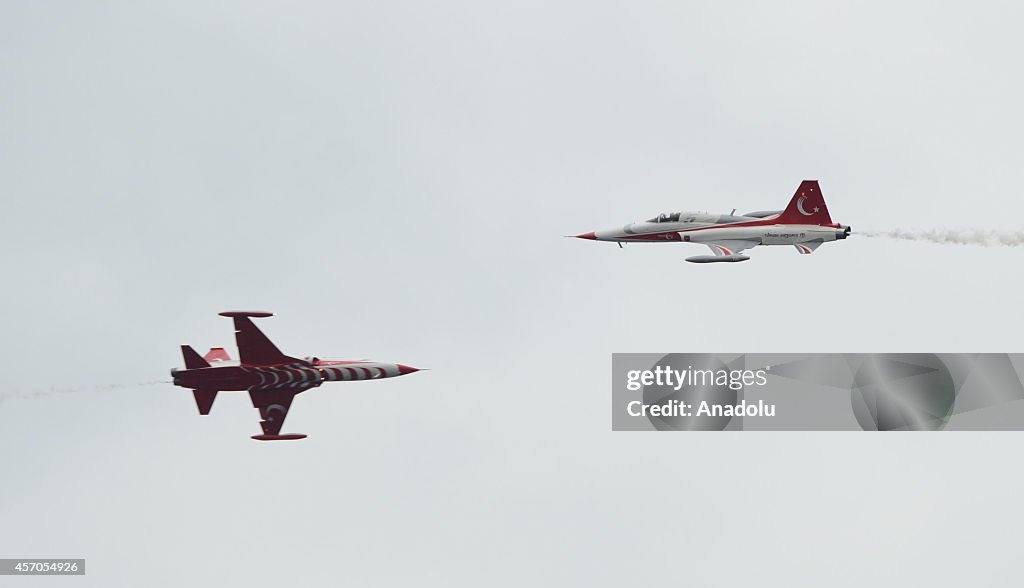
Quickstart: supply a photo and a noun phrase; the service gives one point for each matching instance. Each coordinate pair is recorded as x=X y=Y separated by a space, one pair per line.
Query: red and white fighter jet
x=271 y=377
x=804 y=224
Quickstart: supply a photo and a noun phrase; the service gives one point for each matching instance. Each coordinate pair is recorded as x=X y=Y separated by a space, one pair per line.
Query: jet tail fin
x=192 y=359
x=807 y=207
x=217 y=354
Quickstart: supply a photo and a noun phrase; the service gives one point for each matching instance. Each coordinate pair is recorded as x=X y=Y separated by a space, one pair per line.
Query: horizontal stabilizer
x=192 y=359
x=807 y=247
x=204 y=400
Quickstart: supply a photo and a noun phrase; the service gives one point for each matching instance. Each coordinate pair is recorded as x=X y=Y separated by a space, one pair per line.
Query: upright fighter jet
x=804 y=224
x=271 y=377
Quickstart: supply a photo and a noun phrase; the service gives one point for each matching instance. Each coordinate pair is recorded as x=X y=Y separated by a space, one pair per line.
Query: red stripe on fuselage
x=674 y=235
x=772 y=220
x=668 y=236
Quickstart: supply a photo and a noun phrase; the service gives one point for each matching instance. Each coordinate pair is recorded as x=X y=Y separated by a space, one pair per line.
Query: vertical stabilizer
x=216 y=354
x=807 y=207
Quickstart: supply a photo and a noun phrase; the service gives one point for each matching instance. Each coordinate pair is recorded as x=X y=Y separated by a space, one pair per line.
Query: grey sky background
x=393 y=179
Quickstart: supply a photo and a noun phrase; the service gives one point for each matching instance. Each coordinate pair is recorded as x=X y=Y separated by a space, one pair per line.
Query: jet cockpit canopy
x=665 y=217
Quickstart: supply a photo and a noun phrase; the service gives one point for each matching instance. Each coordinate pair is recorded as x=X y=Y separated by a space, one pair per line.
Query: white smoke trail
x=53 y=391
x=985 y=238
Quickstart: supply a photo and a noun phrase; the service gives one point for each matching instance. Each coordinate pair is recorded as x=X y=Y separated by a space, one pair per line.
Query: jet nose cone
x=589 y=235
x=405 y=369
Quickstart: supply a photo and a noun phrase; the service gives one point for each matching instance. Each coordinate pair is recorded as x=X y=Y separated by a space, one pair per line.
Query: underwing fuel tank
x=717 y=258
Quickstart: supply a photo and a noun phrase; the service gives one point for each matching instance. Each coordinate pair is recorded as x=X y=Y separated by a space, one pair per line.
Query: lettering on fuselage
x=786 y=235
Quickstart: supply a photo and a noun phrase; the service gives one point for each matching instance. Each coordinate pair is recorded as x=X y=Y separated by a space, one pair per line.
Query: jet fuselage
x=804 y=224
x=704 y=228
x=309 y=373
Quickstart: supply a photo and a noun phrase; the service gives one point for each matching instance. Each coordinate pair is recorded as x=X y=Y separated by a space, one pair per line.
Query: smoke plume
x=53 y=391
x=985 y=238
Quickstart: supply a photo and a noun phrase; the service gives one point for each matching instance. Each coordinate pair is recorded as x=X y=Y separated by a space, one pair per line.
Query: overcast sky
x=393 y=180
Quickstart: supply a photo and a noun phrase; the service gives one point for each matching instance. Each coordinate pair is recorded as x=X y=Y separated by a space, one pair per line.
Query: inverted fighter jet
x=271 y=377
x=805 y=224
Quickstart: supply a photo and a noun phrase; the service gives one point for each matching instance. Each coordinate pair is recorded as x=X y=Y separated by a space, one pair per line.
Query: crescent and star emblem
x=800 y=206
x=275 y=408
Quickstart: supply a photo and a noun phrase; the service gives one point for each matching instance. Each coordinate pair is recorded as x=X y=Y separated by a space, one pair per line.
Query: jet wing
x=730 y=247
x=273 y=405
x=254 y=348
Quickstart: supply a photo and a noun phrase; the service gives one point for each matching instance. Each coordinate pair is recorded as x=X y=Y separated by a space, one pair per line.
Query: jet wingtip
x=289 y=437
x=248 y=313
